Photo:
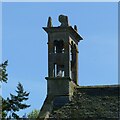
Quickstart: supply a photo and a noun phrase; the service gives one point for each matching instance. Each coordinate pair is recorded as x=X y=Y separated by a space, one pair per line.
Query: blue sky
x=24 y=44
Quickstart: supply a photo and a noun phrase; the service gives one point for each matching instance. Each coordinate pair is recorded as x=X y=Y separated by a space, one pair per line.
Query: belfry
x=62 y=63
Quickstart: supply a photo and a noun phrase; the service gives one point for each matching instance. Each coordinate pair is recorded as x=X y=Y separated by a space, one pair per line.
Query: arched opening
x=58 y=46
x=59 y=70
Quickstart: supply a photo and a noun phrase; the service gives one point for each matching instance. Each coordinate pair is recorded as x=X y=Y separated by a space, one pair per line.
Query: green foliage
x=3 y=74
x=15 y=102
x=33 y=114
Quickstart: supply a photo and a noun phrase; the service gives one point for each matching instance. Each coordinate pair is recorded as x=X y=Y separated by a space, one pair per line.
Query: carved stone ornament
x=63 y=20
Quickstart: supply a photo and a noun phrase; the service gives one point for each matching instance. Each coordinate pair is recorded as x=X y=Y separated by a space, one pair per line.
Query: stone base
x=59 y=92
x=61 y=88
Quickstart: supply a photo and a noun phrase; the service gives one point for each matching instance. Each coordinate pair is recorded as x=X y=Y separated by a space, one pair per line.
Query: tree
x=15 y=103
x=3 y=78
x=3 y=74
x=34 y=114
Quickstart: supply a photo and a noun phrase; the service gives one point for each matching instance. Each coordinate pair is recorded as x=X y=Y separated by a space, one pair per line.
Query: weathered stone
x=62 y=64
x=75 y=27
x=63 y=20
x=49 y=24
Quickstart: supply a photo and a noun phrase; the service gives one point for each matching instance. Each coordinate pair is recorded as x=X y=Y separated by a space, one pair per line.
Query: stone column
x=76 y=67
x=50 y=62
x=67 y=65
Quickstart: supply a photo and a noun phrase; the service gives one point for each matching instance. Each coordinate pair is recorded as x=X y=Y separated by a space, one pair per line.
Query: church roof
x=91 y=102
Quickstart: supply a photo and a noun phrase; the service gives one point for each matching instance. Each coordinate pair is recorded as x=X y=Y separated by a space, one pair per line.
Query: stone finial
x=49 y=24
x=75 y=28
x=63 y=20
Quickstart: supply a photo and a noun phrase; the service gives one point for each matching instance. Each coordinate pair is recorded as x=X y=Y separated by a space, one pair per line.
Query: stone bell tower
x=62 y=61
x=62 y=57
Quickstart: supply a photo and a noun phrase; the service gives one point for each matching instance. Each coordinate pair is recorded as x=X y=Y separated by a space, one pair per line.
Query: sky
x=60 y=0
x=24 y=44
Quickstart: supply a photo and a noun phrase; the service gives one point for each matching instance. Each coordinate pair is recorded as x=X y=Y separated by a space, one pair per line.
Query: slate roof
x=96 y=102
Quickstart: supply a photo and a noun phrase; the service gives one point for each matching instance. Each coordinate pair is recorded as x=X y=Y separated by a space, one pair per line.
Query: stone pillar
x=76 y=67
x=66 y=62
